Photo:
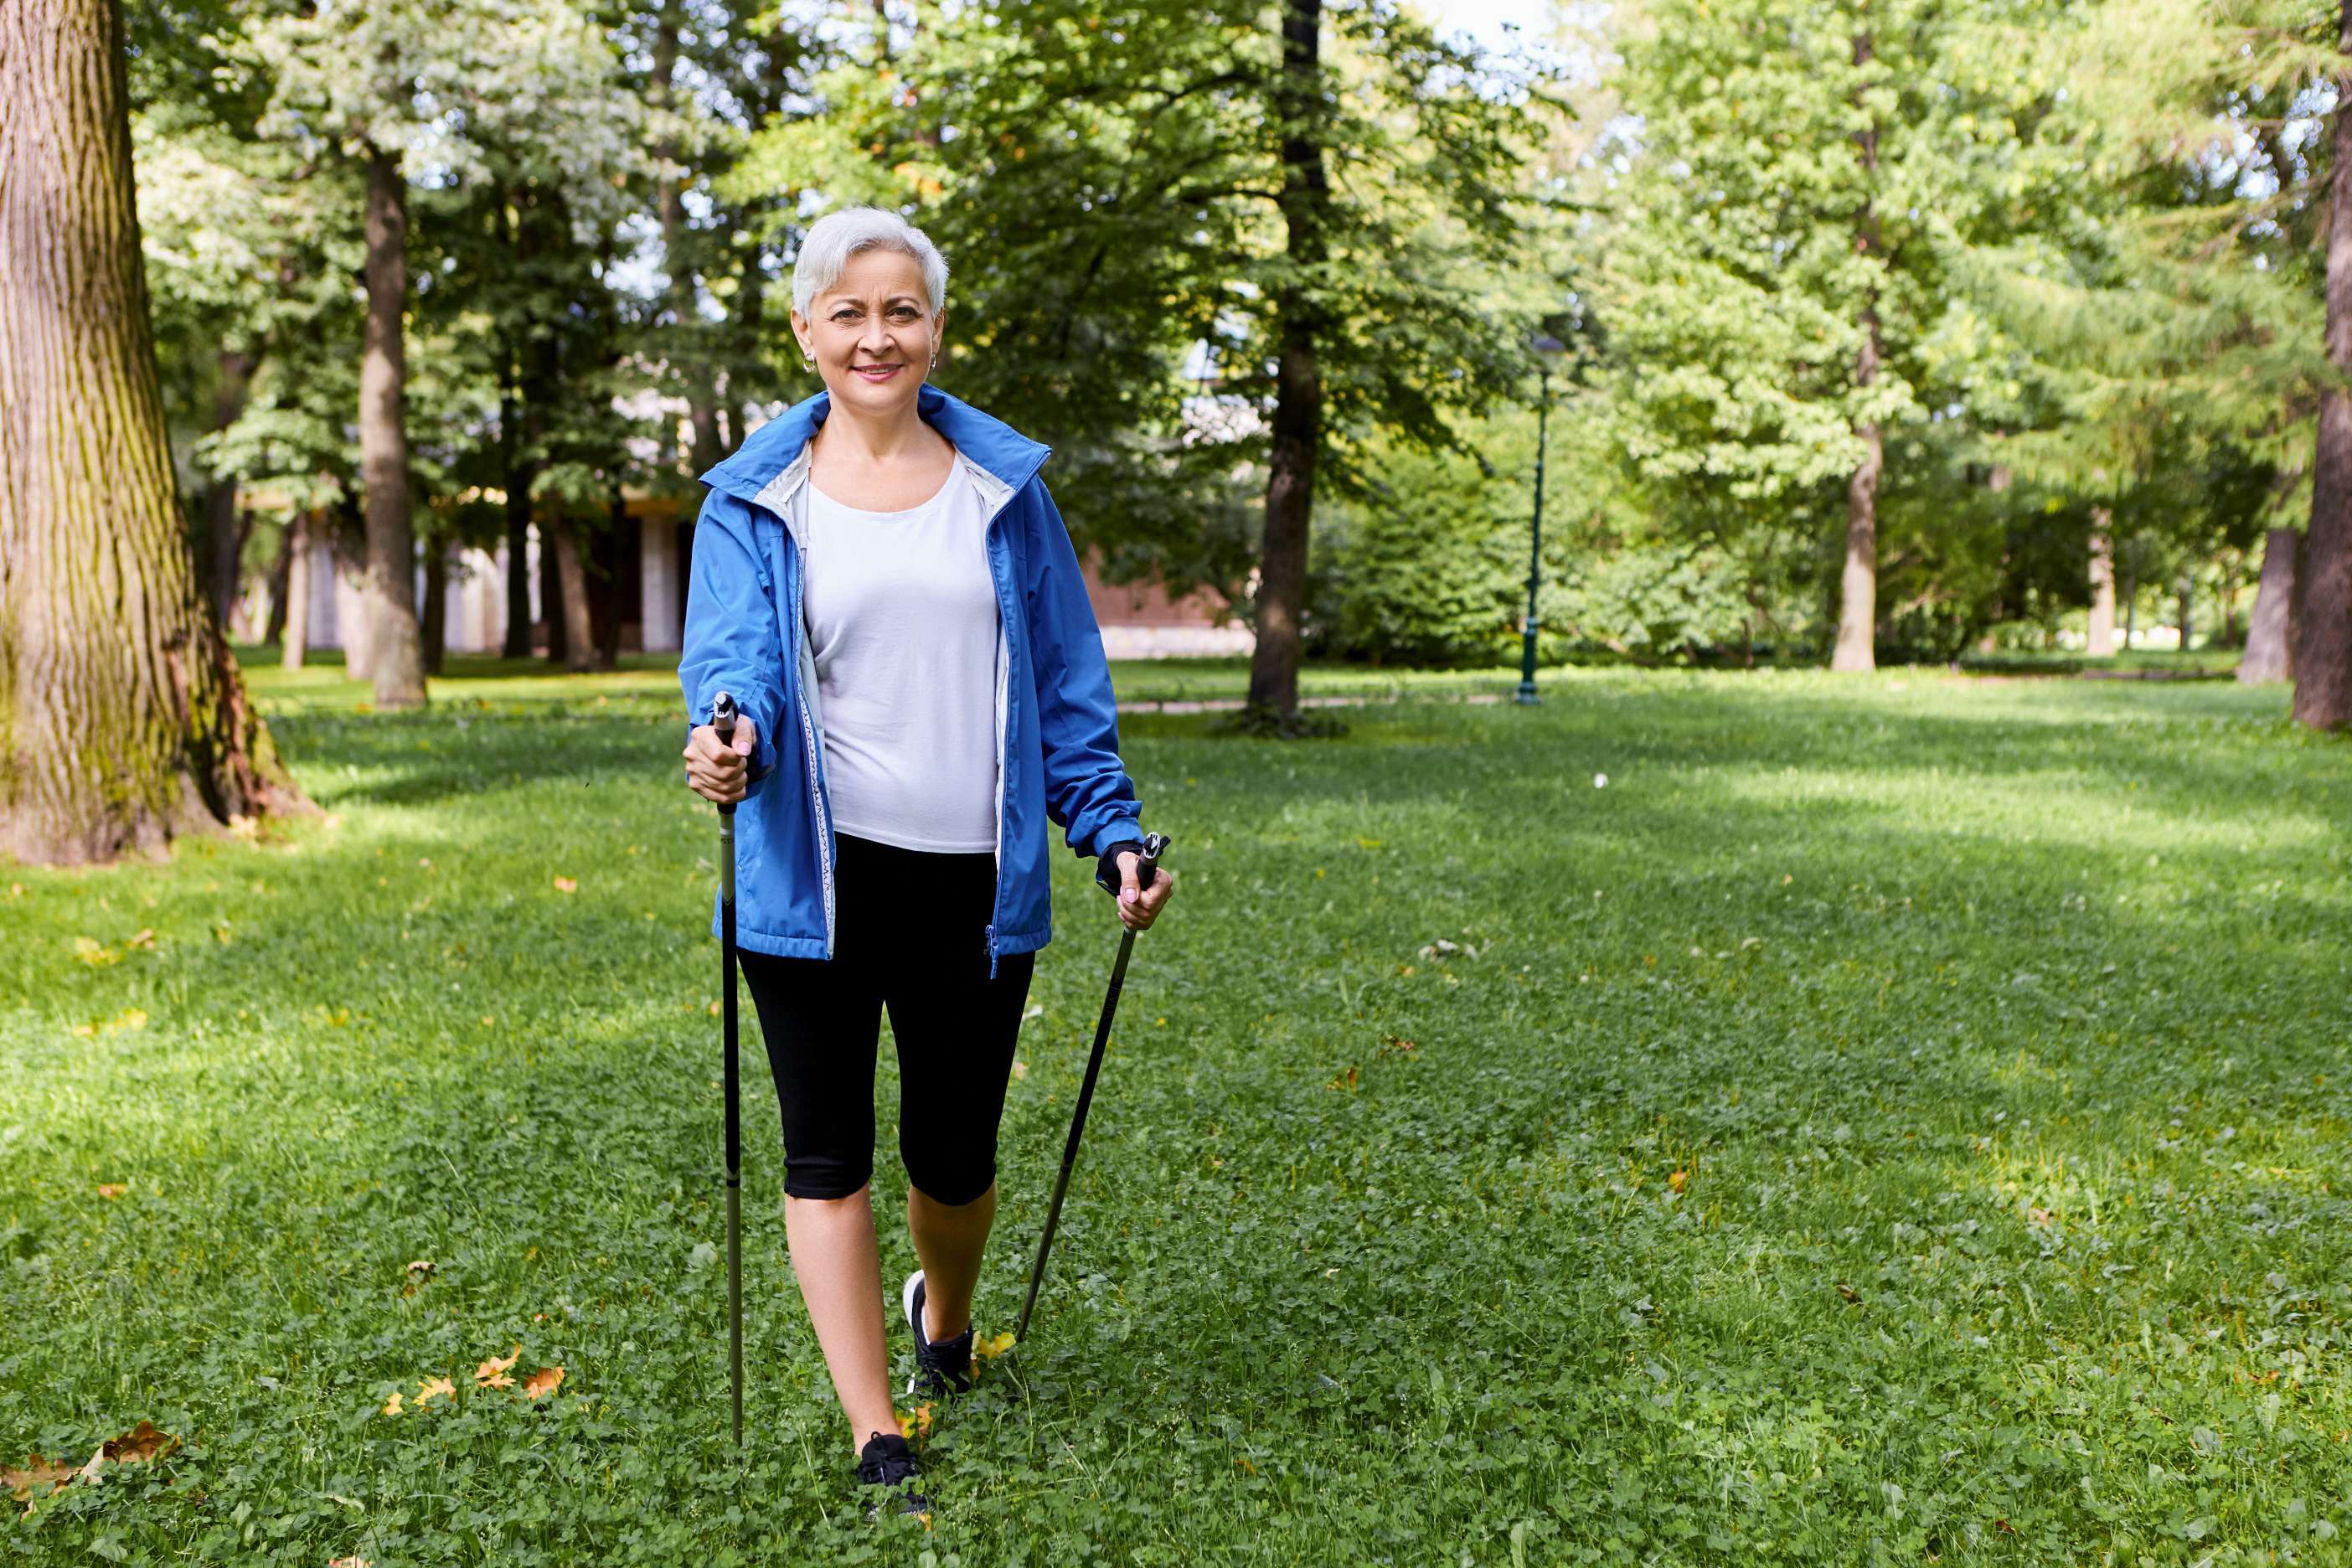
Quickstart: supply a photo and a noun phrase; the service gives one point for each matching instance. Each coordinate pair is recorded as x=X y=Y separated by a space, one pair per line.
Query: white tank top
x=902 y=621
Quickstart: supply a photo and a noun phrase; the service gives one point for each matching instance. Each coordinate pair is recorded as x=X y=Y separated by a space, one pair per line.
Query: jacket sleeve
x=1087 y=790
x=730 y=642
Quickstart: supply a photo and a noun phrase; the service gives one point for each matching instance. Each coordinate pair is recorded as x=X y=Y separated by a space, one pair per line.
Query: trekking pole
x=1146 y=870
x=722 y=722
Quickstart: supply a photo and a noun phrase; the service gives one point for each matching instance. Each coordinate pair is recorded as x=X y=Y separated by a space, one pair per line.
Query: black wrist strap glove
x=1106 y=872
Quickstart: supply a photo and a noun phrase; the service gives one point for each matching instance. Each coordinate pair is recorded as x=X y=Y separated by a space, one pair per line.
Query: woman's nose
x=876 y=339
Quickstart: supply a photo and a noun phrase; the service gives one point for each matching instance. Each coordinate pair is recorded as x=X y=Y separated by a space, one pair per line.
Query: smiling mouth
x=876 y=371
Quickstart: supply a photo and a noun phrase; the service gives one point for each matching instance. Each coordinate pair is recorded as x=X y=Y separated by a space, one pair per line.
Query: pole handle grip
x=723 y=714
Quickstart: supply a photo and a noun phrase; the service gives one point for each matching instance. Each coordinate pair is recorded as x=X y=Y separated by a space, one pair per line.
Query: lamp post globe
x=1548 y=352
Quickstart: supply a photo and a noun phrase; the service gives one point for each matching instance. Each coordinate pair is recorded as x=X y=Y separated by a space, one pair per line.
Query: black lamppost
x=1548 y=351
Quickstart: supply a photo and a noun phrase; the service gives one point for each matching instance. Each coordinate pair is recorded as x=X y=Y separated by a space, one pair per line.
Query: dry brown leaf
x=1679 y=1179
x=38 y=1478
x=567 y=885
x=141 y=1443
x=347 y=1562
x=112 y=1189
x=391 y=1407
x=916 y=1422
x=145 y=939
x=421 y=1267
x=430 y=1388
x=1399 y=1044
x=543 y=1382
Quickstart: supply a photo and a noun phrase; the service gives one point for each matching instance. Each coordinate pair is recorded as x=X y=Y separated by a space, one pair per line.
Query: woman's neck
x=862 y=440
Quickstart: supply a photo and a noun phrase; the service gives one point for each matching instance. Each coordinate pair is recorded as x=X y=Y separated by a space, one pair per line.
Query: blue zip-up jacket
x=1056 y=721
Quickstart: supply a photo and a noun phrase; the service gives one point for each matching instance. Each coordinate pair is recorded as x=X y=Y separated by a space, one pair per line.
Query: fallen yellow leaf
x=112 y=1189
x=431 y=1388
x=567 y=885
x=916 y=1422
x=391 y=1407
x=492 y=1372
x=543 y=1382
x=992 y=1346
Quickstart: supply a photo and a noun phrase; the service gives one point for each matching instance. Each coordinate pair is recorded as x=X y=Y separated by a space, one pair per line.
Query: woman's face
x=873 y=334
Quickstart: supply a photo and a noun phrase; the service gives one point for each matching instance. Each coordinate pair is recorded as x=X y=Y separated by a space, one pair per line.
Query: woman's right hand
x=716 y=770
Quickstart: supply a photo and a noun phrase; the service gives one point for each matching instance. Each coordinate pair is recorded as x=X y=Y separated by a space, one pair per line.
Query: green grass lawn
x=1894 y=1121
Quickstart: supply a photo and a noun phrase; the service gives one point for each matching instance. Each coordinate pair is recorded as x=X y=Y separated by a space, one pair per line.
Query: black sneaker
x=888 y=1460
x=940 y=1368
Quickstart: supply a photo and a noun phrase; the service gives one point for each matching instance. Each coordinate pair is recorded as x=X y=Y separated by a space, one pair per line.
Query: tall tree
x=2323 y=651
x=453 y=84
x=123 y=718
x=1309 y=205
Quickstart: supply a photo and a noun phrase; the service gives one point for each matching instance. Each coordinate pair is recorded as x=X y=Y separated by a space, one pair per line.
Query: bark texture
x=2322 y=646
x=2102 y=643
x=1857 y=633
x=123 y=720
x=1296 y=437
x=388 y=592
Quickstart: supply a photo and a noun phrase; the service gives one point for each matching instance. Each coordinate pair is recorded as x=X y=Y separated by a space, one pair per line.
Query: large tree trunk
x=1858 y=586
x=2323 y=649
x=123 y=718
x=2102 y=643
x=294 y=643
x=396 y=649
x=1298 y=425
x=221 y=521
x=572 y=577
x=2188 y=603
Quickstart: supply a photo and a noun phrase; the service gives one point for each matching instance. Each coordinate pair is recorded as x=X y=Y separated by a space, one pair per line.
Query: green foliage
x=1104 y=185
x=1994 y=1032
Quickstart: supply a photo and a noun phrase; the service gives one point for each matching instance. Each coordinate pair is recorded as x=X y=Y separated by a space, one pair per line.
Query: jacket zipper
x=809 y=749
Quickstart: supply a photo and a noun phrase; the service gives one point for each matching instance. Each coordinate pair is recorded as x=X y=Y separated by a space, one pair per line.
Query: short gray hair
x=834 y=239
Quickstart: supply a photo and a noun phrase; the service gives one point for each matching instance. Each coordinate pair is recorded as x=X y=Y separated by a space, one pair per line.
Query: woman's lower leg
x=839 y=1268
x=950 y=1239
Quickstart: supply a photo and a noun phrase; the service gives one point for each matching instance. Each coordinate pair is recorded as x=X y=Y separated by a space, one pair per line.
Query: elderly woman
x=882 y=581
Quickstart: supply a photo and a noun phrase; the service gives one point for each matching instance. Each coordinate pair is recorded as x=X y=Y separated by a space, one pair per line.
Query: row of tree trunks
x=123 y=718
x=2102 y=643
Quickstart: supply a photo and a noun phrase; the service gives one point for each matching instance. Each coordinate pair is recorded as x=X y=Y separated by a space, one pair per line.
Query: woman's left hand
x=1139 y=907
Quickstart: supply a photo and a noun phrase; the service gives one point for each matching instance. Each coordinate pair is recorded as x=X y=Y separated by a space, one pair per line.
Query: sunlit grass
x=1887 y=1120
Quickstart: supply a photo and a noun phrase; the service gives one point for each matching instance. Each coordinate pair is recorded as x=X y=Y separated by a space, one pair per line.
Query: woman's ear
x=801 y=337
x=939 y=335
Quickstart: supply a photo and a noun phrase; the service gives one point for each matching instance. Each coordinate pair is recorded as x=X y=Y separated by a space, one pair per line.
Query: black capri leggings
x=909 y=933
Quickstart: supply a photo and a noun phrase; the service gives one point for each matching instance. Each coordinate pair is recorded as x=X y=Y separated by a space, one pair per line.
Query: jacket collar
x=996 y=446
